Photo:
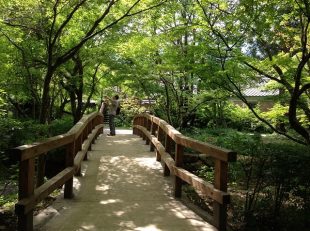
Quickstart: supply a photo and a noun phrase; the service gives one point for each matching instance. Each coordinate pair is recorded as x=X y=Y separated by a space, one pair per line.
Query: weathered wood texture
x=76 y=142
x=166 y=140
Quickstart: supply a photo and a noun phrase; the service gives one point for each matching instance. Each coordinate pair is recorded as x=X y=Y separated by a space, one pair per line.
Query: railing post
x=144 y=124
x=148 y=127
x=68 y=190
x=84 y=137
x=168 y=146
x=159 y=138
x=26 y=189
x=100 y=121
x=220 y=183
x=89 y=131
x=91 y=124
x=78 y=147
x=140 y=122
x=97 y=133
x=133 y=127
x=153 y=130
x=178 y=163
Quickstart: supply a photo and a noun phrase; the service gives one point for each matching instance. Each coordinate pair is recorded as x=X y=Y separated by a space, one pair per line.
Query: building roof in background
x=147 y=101
x=259 y=92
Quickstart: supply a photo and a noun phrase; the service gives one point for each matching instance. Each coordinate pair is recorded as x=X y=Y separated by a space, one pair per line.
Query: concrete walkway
x=121 y=188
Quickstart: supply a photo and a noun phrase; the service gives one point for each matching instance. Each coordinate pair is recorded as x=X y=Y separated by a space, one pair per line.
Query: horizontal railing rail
x=77 y=141
x=166 y=140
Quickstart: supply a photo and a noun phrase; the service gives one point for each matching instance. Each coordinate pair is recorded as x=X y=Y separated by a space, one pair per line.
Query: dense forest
x=235 y=73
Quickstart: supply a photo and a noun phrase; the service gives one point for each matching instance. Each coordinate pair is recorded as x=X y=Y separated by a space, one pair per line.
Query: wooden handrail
x=77 y=141
x=165 y=140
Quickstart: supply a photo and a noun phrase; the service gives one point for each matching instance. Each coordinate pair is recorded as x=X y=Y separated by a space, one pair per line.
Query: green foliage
x=8 y=201
x=3 y=103
x=241 y=118
x=206 y=172
x=60 y=126
x=129 y=108
x=10 y=135
x=278 y=114
x=15 y=133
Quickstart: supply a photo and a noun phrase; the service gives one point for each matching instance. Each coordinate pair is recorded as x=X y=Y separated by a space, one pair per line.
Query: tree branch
x=90 y=34
x=147 y=9
x=69 y=17
x=259 y=71
x=303 y=89
x=92 y=90
x=53 y=24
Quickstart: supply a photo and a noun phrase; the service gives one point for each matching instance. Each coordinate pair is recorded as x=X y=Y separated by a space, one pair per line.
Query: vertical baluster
x=91 y=130
x=26 y=189
x=179 y=163
x=153 y=130
x=159 y=138
x=85 y=136
x=148 y=128
x=133 y=126
x=68 y=190
x=139 y=123
x=144 y=124
x=168 y=148
x=78 y=147
x=101 y=121
x=220 y=182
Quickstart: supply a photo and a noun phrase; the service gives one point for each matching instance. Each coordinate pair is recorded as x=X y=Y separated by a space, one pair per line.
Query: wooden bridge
x=121 y=188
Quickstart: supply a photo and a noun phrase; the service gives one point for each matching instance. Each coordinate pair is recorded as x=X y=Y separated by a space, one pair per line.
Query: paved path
x=122 y=188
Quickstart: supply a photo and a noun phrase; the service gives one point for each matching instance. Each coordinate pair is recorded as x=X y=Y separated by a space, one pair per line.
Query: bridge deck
x=122 y=188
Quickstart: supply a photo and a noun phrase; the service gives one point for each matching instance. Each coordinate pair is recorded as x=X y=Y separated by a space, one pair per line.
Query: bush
x=15 y=133
x=242 y=119
x=60 y=126
x=129 y=108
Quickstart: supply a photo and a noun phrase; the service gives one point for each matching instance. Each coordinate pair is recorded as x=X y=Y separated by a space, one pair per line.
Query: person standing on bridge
x=113 y=104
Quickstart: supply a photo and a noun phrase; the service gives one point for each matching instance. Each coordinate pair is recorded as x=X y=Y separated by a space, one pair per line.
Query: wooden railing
x=76 y=142
x=166 y=140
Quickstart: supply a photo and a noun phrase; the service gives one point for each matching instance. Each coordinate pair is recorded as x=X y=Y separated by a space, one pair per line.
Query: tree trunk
x=45 y=102
x=79 y=88
x=41 y=170
x=45 y=106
